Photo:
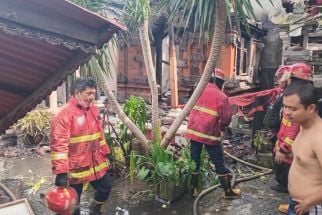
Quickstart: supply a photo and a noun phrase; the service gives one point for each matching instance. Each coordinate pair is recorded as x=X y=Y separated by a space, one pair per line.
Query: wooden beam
x=14 y=89
x=173 y=70
x=44 y=90
x=158 y=61
x=28 y=16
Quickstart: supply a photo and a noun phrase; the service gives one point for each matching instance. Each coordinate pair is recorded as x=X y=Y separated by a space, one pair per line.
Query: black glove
x=61 y=180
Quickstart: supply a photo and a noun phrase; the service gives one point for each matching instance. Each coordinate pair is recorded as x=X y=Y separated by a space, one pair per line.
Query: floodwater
x=18 y=174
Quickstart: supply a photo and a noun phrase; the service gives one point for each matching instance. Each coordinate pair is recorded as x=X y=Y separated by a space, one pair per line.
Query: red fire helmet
x=62 y=200
x=281 y=70
x=219 y=74
x=302 y=71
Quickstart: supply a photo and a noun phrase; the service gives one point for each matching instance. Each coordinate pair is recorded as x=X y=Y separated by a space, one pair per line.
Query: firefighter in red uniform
x=208 y=118
x=275 y=115
x=288 y=131
x=79 y=153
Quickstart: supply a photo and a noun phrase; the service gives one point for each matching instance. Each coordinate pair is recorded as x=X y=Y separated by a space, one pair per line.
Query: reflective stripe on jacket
x=286 y=136
x=211 y=112
x=77 y=143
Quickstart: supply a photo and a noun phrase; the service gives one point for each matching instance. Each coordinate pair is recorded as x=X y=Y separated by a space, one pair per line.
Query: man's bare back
x=305 y=176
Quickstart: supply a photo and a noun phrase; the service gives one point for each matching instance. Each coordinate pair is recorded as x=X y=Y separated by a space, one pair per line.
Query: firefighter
x=281 y=77
x=208 y=119
x=288 y=131
x=79 y=152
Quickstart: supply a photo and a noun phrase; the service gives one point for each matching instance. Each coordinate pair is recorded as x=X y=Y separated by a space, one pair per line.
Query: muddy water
x=257 y=197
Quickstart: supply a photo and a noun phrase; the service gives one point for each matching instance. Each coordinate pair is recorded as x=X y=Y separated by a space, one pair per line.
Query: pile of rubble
x=9 y=147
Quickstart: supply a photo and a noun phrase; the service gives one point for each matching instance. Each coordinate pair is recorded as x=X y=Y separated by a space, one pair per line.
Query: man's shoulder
x=316 y=138
x=64 y=110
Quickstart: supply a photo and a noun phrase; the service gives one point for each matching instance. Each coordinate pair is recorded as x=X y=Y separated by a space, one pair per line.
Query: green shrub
x=161 y=166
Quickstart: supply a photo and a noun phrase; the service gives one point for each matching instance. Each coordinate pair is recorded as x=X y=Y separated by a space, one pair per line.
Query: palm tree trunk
x=217 y=41
x=117 y=108
x=146 y=48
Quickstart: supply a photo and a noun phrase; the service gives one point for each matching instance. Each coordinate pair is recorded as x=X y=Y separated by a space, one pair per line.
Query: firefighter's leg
x=216 y=154
x=79 y=190
x=195 y=152
x=103 y=188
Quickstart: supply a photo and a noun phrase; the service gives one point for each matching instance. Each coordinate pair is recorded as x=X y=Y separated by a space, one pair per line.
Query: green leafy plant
x=260 y=143
x=34 y=127
x=135 y=108
x=160 y=166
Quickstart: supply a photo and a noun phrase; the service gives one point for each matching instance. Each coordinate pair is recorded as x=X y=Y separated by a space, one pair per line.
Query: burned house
x=301 y=35
x=240 y=57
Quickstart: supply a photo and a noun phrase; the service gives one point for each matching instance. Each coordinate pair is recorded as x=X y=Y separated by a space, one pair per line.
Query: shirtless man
x=305 y=176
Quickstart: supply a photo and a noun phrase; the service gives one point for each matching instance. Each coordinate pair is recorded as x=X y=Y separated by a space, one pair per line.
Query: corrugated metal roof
x=41 y=42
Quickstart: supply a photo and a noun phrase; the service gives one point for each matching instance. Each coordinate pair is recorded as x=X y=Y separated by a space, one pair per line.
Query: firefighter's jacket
x=77 y=143
x=286 y=136
x=211 y=113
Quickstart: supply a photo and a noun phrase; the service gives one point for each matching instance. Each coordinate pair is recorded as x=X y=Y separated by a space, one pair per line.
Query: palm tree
x=203 y=18
x=137 y=13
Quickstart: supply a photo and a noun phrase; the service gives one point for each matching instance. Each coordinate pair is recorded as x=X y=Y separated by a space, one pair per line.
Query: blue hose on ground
x=233 y=181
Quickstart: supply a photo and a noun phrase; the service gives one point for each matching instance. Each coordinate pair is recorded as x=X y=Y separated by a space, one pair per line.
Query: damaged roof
x=41 y=42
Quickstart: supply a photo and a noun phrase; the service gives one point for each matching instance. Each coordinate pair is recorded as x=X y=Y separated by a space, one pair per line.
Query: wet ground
x=20 y=173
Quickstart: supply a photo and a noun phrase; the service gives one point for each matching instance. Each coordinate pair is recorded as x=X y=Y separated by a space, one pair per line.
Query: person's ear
x=312 y=108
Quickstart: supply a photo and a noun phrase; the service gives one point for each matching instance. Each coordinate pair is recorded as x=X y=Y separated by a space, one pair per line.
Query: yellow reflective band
x=58 y=156
x=102 y=142
x=90 y=171
x=66 y=193
x=286 y=122
x=205 y=110
x=199 y=134
x=289 y=141
x=85 y=138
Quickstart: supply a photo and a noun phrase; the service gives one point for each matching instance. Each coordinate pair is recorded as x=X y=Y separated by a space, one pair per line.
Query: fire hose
x=233 y=181
x=8 y=192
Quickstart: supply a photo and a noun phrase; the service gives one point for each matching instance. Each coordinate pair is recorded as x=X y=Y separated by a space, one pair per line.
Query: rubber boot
x=283 y=208
x=95 y=208
x=194 y=184
x=226 y=185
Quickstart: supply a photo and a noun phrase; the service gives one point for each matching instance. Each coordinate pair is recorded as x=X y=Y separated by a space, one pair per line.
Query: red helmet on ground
x=62 y=200
x=302 y=71
x=281 y=71
x=219 y=74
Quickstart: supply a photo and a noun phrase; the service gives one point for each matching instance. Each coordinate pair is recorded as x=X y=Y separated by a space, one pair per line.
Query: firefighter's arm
x=59 y=141
x=106 y=150
x=286 y=143
x=225 y=114
x=274 y=119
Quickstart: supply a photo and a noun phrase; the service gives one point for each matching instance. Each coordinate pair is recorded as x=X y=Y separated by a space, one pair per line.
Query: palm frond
x=200 y=14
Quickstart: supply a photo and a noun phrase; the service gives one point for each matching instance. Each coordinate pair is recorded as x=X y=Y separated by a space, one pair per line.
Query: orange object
x=302 y=71
x=62 y=200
